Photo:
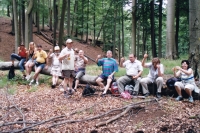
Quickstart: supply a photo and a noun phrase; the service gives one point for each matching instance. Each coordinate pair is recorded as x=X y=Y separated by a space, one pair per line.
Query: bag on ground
x=11 y=73
x=114 y=89
x=87 y=91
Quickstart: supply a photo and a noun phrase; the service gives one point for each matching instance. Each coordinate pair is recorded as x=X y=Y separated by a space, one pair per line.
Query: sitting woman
x=21 y=57
x=187 y=80
x=30 y=63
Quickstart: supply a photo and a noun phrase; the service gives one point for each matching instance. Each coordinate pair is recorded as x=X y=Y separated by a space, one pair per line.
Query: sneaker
x=146 y=95
x=190 y=99
x=158 y=95
x=179 y=98
x=70 y=92
x=31 y=82
x=53 y=86
x=61 y=88
x=28 y=77
x=37 y=83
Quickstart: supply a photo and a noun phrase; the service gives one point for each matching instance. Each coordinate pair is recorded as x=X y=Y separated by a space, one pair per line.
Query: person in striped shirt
x=109 y=67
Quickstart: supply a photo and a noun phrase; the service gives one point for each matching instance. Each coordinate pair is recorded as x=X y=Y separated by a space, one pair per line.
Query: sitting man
x=109 y=67
x=156 y=71
x=80 y=64
x=21 y=56
x=133 y=72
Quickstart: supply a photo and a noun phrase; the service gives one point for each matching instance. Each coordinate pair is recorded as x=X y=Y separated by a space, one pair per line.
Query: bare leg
x=76 y=84
x=178 y=90
x=188 y=91
x=107 y=85
x=71 y=82
x=99 y=82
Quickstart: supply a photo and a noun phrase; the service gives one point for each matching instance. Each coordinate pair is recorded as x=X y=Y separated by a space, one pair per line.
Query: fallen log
x=86 y=79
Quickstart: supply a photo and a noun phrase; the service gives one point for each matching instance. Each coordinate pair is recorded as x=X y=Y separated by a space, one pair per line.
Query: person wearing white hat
x=67 y=57
x=55 y=66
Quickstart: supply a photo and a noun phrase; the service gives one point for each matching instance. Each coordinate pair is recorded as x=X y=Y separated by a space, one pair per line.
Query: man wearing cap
x=67 y=57
x=55 y=66
x=21 y=56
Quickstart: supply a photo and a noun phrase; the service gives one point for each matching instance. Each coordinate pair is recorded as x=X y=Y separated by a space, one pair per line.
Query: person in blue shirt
x=109 y=67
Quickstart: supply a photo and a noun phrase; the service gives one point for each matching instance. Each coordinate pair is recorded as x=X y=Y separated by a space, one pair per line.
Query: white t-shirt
x=132 y=68
x=153 y=73
x=68 y=62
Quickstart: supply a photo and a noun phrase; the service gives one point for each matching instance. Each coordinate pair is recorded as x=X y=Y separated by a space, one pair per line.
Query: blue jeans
x=20 y=59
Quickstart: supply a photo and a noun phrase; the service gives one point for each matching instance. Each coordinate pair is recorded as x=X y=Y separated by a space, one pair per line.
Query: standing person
x=21 y=57
x=80 y=64
x=134 y=70
x=30 y=63
x=156 y=72
x=109 y=67
x=187 y=80
x=55 y=66
x=40 y=61
x=67 y=58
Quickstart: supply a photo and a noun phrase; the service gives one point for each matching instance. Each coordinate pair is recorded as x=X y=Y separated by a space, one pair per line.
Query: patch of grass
x=3 y=82
x=45 y=79
x=33 y=89
x=12 y=90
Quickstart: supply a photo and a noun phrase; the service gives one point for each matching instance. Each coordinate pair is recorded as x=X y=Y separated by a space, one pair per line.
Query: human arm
x=160 y=70
x=187 y=72
x=121 y=62
x=97 y=59
x=144 y=60
x=49 y=54
x=138 y=75
x=84 y=58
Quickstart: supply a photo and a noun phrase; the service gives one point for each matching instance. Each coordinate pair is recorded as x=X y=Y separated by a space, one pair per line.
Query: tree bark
x=16 y=25
x=160 y=31
x=28 y=22
x=61 y=31
x=170 y=46
x=68 y=18
x=133 y=38
x=153 y=44
x=86 y=79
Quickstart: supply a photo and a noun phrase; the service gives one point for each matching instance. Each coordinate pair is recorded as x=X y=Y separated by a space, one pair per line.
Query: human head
x=39 y=47
x=132 y=57
x=185 y=64
x=69 y=43
x=109 y=54
x=155 y=61
x=22 y=45
x=31 y=45
x=56 y=48
x=81 y=52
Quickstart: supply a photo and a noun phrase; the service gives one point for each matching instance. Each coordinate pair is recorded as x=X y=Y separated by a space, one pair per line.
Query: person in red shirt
x=21 y=57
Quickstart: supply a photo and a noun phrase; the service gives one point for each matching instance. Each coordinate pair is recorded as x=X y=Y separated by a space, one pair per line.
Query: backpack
x=87 y=91
x=11 y=73
x=170 y=85
x=114 y=89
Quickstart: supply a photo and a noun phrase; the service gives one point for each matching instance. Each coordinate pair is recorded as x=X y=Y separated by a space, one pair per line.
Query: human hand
x=134 y=77
x=50 y=51
x=98 y=56
x=178 y=67
x=122 y=59
x=158 y=66
x=145 y=56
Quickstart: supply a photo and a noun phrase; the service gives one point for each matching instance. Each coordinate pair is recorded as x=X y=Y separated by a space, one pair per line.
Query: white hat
x=69 y=41
x=56 y=48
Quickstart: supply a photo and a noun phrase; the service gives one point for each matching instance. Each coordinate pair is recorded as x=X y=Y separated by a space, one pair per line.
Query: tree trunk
x=23 y=20
x=194 y=35
x=68 y=18
x=153 y=44
x=61 y=31
x=13 y=25
x=16 y=25
x=28 y=22
x=55 y=21
x=74 y=18
x=160 y=30
x=50 y=16
x=170 y=29
x=177 y=27
x=43 y=16
x=133 y=38
x=88 y=3
x=38 y=17
x=122 y=45
x=86 y=79
x=8 y=10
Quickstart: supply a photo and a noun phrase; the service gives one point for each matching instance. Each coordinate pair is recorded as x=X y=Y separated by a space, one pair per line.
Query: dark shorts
x=38 y=64
x=105 y=77
x=68 y=73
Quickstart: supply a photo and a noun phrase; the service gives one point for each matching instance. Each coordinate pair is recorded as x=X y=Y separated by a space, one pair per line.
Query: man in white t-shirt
x=156 y=72
x=67 y=57
x=133 y=72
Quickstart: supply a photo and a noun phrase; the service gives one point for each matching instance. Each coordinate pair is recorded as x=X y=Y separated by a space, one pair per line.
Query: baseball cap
x=69 y=41
x=56 y=48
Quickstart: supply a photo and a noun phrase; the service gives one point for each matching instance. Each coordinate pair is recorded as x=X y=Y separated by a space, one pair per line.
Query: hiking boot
x=53 y=86
x=70 y=92
x=146 y=95
x=190 y=99
x=158 y=95
x=179 y=98
x=66 y=95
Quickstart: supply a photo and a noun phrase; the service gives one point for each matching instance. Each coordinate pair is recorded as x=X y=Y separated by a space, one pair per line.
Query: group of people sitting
x=71 y=66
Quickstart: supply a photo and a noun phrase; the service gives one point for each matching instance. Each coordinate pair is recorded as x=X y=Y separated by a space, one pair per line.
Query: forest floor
x=42 y=109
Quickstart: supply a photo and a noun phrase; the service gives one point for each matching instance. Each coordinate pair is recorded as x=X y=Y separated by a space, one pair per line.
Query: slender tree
x=133 y=27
